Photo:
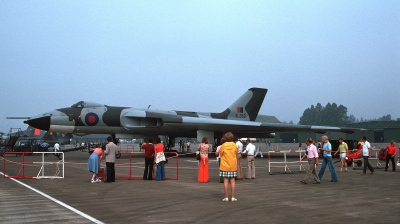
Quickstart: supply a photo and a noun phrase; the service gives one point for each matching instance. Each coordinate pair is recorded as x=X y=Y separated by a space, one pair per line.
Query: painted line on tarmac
x=56 y=201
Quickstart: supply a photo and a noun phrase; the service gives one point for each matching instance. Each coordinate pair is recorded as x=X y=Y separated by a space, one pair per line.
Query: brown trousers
x=239 y=166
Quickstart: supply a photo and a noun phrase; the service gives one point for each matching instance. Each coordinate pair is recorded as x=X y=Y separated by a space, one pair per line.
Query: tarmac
x=276 y=197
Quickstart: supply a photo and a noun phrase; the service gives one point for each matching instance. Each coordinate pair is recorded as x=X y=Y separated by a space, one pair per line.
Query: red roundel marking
x=91 y=119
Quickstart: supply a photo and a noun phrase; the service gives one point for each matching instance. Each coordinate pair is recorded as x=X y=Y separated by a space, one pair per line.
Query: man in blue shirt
x=327 y=159
x=45 y=147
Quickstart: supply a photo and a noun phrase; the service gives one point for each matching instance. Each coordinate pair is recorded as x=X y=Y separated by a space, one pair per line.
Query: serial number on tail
x=240 y=115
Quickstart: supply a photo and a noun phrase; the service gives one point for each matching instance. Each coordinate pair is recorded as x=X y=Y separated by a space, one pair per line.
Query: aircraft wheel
x=359 y=163
x=349 y=163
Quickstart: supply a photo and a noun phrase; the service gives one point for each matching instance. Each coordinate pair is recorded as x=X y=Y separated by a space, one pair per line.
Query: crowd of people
x=229 y=154
x=326 y=148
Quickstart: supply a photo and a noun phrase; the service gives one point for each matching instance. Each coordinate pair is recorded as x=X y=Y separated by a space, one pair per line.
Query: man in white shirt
x=188 y=146
x=239 y=145
x=258 y=150
x=366 y=151
x=250 y=150
x=57 y=149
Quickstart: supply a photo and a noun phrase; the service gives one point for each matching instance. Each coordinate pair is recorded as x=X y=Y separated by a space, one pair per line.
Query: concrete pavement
x=278 y=198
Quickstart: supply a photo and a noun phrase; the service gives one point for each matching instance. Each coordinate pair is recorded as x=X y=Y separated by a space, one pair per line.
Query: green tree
x=318 y=113
x=352 y=119
x=331 y=114
x=385 y=118
x=341 y=114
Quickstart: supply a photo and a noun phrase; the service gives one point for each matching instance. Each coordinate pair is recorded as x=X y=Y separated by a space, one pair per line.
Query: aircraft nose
x=42 y=123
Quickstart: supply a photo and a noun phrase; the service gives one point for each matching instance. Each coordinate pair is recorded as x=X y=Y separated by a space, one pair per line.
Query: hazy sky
x=200 y=55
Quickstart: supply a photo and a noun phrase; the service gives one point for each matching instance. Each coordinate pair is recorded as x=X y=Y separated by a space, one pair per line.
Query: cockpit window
x=77 y=105
x=82 y=104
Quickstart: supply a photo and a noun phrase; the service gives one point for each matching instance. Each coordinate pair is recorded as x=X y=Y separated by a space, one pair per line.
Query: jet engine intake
x=129 y=122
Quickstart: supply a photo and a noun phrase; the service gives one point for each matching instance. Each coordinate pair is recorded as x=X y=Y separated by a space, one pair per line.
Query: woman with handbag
x=159 y=157
x=203 y=175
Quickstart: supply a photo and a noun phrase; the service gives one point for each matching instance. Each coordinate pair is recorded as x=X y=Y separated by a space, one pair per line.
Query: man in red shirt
x=391 y=152
x=148 y=160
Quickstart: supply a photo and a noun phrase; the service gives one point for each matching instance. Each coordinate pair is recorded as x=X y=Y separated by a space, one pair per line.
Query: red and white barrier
x=29 y=163
x=126 y=169
x=285 y=164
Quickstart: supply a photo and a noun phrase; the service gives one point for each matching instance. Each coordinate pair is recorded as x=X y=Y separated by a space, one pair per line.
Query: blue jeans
x=160 y=173
x=328 y=160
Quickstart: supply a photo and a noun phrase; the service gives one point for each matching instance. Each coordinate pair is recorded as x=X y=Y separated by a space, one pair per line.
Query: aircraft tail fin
x=29 y=132
x=246 y=107
x=48 y=136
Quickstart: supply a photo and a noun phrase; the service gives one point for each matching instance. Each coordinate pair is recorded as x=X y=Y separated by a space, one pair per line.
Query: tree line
x=333 y=115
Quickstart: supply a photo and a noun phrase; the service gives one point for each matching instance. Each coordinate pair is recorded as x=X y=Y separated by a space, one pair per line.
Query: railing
x=27 y=163
x=126 y=169
x=286 y=164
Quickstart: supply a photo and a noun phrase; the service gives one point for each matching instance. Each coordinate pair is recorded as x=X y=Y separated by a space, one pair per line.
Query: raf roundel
x=91 y=119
